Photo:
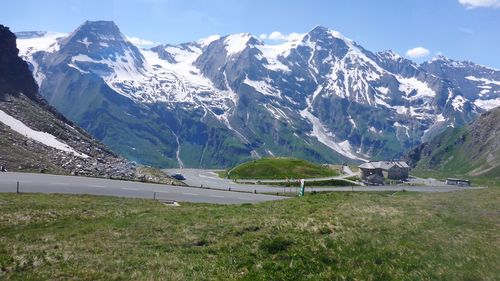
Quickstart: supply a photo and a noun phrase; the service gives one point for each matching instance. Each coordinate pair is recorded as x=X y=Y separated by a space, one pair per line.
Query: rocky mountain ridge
x=34 y=137
x=217 y=102
x=473 y=150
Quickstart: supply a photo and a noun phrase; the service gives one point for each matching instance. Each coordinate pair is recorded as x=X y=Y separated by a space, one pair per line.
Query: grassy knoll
x=279 y=168
x=336 y=236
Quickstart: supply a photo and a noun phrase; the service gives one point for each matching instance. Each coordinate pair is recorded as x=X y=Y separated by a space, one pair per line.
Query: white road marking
x=59 y=183
x=127 y=188
x=241 y=198
x=190 y=193
x=160 y=191
x=217 y=196
x=93 y=185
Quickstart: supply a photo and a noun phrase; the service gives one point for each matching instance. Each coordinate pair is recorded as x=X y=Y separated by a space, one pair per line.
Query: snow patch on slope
x=42 y=137
x=383 y=90
x=487 y=104
x=47 y=42
x=484 y=80
x=273 y=52
x=458 y=103
x=263 y=87
x=322 y=135
x=236 y=43
x=408 y=85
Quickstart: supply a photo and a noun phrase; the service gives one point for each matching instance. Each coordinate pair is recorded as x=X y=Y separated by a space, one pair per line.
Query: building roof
x=384 y=165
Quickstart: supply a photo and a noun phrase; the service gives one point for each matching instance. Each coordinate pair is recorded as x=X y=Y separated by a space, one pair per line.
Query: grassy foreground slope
x=279 y=168
x=337 y=236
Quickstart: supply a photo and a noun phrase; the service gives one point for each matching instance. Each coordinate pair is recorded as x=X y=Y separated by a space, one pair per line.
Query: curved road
x=82 y=185
x=208 y=178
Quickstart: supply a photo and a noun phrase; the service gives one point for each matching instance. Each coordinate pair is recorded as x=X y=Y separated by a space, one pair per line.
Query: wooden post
x=154 y=195
x=17 y=189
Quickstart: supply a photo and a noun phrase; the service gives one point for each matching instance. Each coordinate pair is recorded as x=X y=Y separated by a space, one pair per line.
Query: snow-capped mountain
x=34 y=137
x=221 y=100
x=477 y=83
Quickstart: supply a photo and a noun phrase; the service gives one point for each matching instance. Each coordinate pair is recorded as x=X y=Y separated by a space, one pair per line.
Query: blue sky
x=459 y=29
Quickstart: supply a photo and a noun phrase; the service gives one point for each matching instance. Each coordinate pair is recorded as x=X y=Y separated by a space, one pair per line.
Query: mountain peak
x=455 y=63
x=320 y=33
x=319 y=28
x=101 y=42
x=390 y=54
x=96 y=36
x=440 y=58
x=100 y=24
x=236 y=43
x=102 y=30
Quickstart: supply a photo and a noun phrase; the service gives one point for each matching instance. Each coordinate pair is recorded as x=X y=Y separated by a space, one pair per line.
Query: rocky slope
x=473 y=150
x=34 y=137
x=217 y=102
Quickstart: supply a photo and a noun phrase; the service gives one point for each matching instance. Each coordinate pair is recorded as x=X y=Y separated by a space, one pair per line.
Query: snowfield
x=41 y=137
x=47 y=42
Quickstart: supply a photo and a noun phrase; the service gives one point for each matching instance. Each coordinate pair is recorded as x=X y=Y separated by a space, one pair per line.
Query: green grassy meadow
x=326 y=236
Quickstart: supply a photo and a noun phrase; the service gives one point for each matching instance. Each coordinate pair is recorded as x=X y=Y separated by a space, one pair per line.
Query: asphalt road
x=81 y=185
x=208 y=178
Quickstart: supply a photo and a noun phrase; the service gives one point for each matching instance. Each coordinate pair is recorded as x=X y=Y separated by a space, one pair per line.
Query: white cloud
x=417 y=52
x=140 y=42
x=470 y=4
x=278 y=36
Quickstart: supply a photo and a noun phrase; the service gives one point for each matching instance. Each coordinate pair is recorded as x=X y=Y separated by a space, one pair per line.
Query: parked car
x=178 y=177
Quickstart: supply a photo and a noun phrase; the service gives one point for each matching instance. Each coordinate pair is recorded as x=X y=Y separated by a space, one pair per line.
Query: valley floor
x=361 y=236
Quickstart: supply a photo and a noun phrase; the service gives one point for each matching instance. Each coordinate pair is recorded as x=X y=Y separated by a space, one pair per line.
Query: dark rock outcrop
x=15 y=76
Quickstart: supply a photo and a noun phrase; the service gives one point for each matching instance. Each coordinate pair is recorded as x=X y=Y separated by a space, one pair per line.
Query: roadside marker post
x=154 y=195
x=17 y=189
x=302 y=187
